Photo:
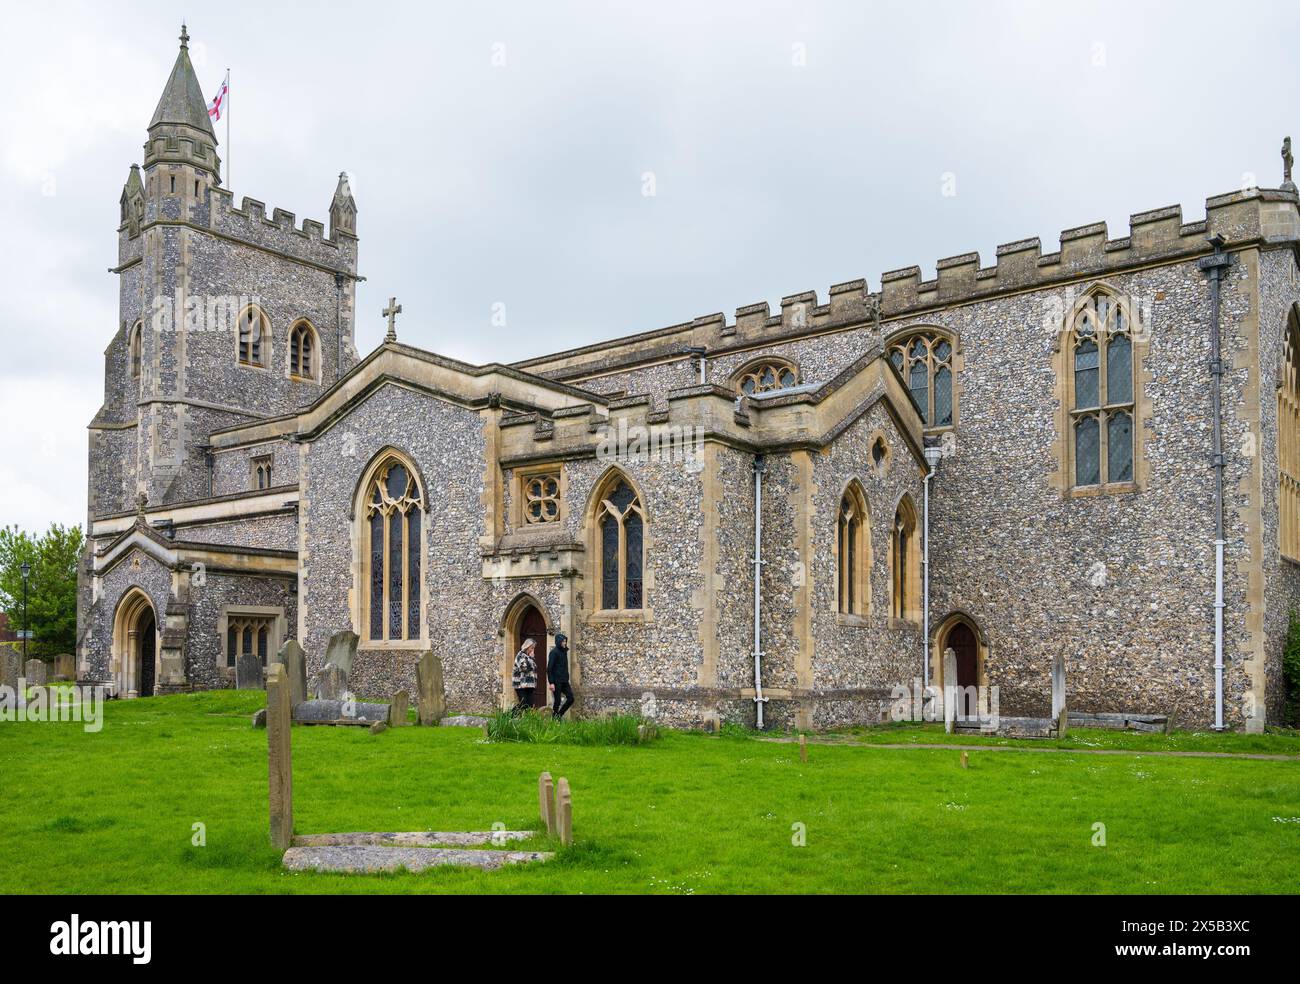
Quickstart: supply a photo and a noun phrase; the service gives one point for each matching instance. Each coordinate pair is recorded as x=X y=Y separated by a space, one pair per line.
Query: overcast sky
x=500 y=157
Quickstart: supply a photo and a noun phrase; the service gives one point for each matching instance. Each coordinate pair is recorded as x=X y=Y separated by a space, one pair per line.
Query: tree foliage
x=51 y=587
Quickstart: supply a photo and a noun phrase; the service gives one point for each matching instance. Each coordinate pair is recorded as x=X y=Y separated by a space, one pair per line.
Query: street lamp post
x=27 y=570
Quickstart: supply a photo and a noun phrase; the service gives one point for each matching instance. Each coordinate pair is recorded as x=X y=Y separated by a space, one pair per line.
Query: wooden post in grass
x=965 y=760
x=279 y=723
x=564 y=811
x=546 y=801
x=803 y=748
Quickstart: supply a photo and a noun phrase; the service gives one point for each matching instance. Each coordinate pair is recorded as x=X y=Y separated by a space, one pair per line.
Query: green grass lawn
x=113 y=811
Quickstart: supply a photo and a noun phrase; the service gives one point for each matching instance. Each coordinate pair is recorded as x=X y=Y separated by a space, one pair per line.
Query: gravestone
x=431 y=697
x=294 y=661
x=1058 y=685
x=248 y=672
x=949 y=689
x=11 y=662
x=35 y=673
x=279 y=725
x=259 y=719
x=342 y=650
x=803 y=748
x=329 y=683
x=564 y=812
x=546 y=801
x=329 y=711
x=398 y=708
x=65 y=666
x=378 y=728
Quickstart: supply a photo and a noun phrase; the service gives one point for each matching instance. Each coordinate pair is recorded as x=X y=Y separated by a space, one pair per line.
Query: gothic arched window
x=302 y=351
x=1288 y=431
x=924 y=360
x=254 y=337
x=853 y=545
x=904 y=563
x=137 y=349
x=1101 y=410
x=393 y=504
x=766 y=376
x=620 y=546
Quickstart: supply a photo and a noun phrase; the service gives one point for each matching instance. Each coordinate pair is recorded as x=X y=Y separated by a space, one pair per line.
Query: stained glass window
x=852 y=552
x=393 y=523
x=767 y=376
x=621 y=525
x=1288 y=435
x=1087 y=451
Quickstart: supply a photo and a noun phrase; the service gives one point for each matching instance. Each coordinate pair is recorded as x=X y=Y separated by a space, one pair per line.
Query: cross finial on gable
x=391 y=312
x=185 y=36
x=1287 y=161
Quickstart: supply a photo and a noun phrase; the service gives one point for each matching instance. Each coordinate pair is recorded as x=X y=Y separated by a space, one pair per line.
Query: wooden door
x=531 y=625
x=962 y=642
x=148 y=646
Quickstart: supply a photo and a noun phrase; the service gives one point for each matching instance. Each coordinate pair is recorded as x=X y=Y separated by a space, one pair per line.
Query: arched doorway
x=525 y=620
x=135 y=646
x=960 y=634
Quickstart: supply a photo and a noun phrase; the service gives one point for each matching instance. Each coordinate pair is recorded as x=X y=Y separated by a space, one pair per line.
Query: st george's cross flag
x=218 y=104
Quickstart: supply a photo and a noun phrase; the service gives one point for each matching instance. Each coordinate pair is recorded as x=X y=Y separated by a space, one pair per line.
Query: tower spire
x=181 y=130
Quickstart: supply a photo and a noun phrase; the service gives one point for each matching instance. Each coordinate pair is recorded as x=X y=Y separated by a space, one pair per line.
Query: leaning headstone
x=431 y=697
x=259 y=719
x=279 y=725
x=11 y=662
x=949 y=689
x=342 y=650
x=35 y=673
x=1058 y=685
x=248 y=672
x=329 y=711
x=564 y=812
x=65 y=666
x=378 y=728
x=329 y=683
x=546 y=801
x=294 y=661
x=398 y=708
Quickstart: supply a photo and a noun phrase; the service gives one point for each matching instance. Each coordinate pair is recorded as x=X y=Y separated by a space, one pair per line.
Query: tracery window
x=1101 y=411
x=1288 y=426
x=620 y=532
x=541 y=498
x=302 y=351
x=254 y=337
x=924 y=360
x=137 y=349
x=393 y=507
x=853 y=550
x=248 y=634
x=764 y=377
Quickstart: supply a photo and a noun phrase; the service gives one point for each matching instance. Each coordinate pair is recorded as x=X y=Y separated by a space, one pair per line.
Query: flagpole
x=229 y=184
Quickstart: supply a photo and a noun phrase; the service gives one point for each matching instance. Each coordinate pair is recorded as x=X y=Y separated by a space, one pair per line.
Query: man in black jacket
x=557 y=675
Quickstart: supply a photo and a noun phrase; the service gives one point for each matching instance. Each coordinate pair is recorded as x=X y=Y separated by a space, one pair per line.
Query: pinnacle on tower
x=181 y=130
x=343 y=209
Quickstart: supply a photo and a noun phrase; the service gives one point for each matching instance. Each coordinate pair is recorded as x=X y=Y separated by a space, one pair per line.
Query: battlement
x=281 y=233
x=1251 y=217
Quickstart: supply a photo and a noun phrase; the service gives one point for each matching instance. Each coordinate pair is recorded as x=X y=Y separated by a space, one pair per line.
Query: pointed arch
x=304 y=355
x=390 y=547
x=1100 y=353
x=927 y=359
x=960 y=631
x=765 y=374
x=137 y=639
x=513 y=620
x=617 y=532
x=135 y=349
x=853 y=552
x=1288 y=439
x=253 y=337
x=905 y=562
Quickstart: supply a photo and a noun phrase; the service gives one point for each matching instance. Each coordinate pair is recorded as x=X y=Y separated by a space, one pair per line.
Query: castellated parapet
x=1243 y=218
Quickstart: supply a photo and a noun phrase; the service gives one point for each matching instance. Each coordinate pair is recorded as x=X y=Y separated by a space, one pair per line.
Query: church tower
x=227 y=315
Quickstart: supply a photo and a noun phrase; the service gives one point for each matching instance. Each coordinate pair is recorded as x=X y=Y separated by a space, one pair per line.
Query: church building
x=776 y=518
